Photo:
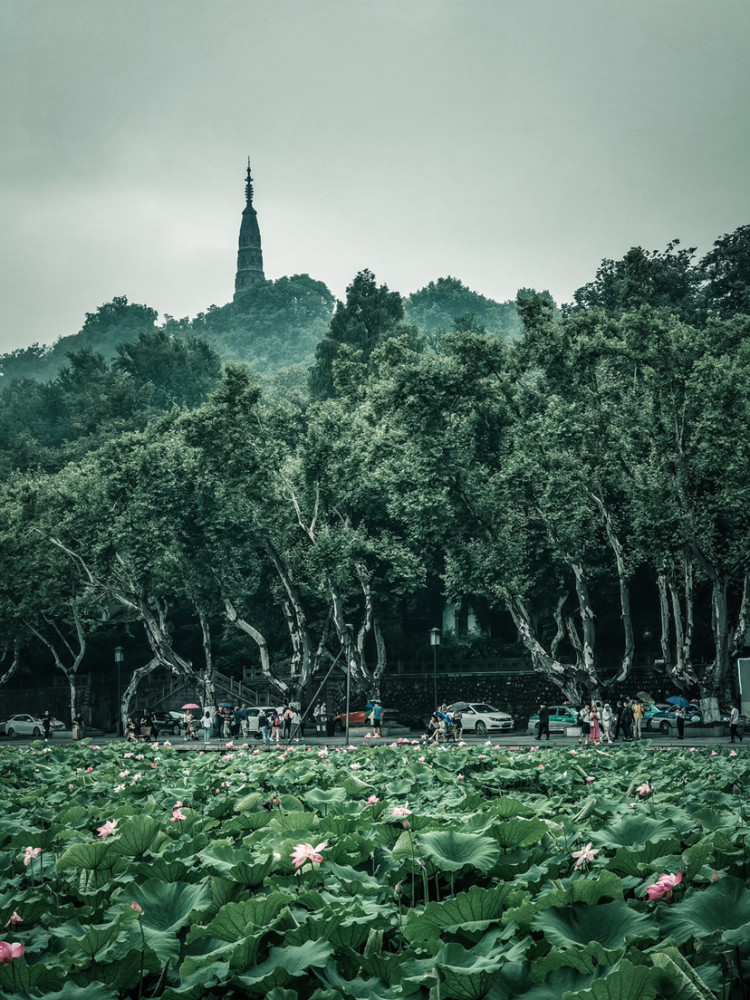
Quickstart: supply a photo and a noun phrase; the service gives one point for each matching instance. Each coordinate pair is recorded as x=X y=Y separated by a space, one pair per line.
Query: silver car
x=480 y=718
x=24 y=725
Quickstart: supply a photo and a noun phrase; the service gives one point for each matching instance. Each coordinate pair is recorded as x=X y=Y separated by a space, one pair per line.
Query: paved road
x=510 y=740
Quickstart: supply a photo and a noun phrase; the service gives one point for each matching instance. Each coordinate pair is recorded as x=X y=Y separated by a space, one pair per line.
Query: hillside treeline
x=586 y=478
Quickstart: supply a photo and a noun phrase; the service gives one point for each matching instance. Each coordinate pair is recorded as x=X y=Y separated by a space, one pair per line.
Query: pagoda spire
x=249 y=252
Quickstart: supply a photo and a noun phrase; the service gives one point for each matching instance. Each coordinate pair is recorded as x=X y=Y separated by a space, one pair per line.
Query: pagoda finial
x=249 y=185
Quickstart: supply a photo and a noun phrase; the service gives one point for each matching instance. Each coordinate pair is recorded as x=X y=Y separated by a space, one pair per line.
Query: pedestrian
x=264 y=725
x=679 y=715
x=584 y=721
x=78 y=724
x=275 y=724
x=236 y=721
x=188 y=720
x=226 y=728
x=637 y=718
x=543 y=722
x=734 y=722
x=596 y=733
x=377 y=716
x=617 y=719
x=206 y=723
x=287 y=715
x=607 y=716
x=47 y=726
x=458 y=724
x=626 y=721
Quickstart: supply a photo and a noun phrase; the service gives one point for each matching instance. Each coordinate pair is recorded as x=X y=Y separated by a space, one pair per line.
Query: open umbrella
x=226 y=704
x=191 y=705
x=645 y=696
x=677 y=699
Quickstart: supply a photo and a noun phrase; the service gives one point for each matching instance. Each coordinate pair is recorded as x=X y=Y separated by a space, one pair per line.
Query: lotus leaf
x=283 y=965
x=722 y=907
x=611 y=924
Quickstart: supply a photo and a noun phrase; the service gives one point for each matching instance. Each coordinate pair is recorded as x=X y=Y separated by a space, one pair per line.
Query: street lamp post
x=119 y=657
x=348 y=676
x=434 y=642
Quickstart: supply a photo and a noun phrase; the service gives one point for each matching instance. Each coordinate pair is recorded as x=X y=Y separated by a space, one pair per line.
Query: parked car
x=24 y=725
x=253 y=714
x=665 y=720
x=167 y=723
x=480 y=718
x=361 y=718
x=560 y=718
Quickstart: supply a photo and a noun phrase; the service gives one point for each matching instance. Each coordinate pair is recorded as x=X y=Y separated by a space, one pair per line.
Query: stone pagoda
x=249 y=253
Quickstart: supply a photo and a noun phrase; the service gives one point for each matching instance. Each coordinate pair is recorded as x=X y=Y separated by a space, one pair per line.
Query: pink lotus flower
x=662 y=889
x=70 y=788
x=30 y=853
x=14 y=919
x=590 y=778
x=178 y=805
x=107 y=829
x=587 y=854
x=460 y=777
x=136 y=907
x=732 y=753
x=118 y=789
x=177 y=816
x=373 y=800
x=10 y=951
x=306 y=852
x=644 y=789
x=399 y=812
x=89 y=770
x=127 y=756
x=355 y=767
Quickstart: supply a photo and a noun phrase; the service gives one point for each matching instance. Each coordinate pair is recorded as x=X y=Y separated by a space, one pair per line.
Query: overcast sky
x=508 y=143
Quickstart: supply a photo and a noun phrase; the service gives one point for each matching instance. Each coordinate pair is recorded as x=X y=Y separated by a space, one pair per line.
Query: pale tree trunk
x=714 y=677
x=260 y=641
x=588 y=627
x=560 y=626
x=209 y=674
x=738 y=637
x=14 y=663
x=682 y=670
x=623 y=578
x=567 y=680
x=75 y=655
x=138 y=674
x=302 y=666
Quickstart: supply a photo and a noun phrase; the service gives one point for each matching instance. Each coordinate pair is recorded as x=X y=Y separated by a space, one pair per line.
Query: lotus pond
x=448 y=873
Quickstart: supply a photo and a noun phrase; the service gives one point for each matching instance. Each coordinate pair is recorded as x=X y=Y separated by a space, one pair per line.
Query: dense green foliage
x=588 y=479
x=398 y=871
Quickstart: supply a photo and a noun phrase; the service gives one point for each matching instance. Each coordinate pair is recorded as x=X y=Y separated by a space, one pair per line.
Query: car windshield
x=483 y=708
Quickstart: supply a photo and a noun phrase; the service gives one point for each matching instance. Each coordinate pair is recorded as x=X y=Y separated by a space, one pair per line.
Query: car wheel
x=648 y=726
x=11 y=733
x=176 y=729
x=664 y=727
x=481 y=729
x=37 y=732
x=338 y=726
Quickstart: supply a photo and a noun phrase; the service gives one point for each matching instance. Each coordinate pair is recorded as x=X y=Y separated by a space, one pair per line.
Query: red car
x=360 y=718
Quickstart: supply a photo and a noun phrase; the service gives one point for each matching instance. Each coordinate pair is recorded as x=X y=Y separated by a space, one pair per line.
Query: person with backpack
x=584 y=721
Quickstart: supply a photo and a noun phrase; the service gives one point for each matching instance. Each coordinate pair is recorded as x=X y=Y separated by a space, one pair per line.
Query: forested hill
x=275 y=327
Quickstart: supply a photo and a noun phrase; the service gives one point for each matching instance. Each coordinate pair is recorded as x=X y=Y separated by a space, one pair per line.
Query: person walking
x=734 y=722
x=47 y=726
x=377 y=716
x=543 y=722
x=206 y=723
x=275 y=725
x=188 y=720
x=679 y=715
x=607 y=717
x=458 y=724
x=596 y=733
x=584 y=721
x=626 y=721
x=264 y=724
x=617 y=719
x=287 y=715
x=637 y=718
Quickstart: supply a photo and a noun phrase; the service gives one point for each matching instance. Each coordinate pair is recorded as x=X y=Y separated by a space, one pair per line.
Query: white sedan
x=479 y=718
x=25 y=725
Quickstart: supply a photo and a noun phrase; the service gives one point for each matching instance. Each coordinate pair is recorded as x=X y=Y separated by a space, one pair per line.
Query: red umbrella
x=191 y=705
